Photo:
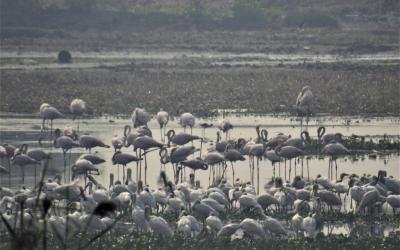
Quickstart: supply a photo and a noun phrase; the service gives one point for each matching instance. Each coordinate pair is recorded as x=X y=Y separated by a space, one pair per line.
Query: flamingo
x=7 y=151
x=89 y=142
x=145 y=143
x=3 y=171
x=65 y=143
x=162 y=119
x=303 y=104
x=187 y=120
x=334 y=150
x=225 y=126
x=195 y=164
x=327 y=138
x=289 y=152
x=204 y=126
x=140 y=117
x=181 y=138
x=48 y=112
x=22 y=160
x=233 y=155
x=301 y=143
x=77 y=108
x=39 y=155
x=258 y=151
x=124 y=159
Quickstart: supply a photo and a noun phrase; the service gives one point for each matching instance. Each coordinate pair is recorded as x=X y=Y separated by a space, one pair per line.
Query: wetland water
x=26 y=130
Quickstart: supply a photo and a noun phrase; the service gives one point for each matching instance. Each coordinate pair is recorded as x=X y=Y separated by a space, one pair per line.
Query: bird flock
x=75 y=202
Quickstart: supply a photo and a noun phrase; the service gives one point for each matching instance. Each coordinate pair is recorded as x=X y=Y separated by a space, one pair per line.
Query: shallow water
x=26 y=130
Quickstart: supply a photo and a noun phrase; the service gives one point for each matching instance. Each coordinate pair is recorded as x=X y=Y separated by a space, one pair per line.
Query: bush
x=64 y=56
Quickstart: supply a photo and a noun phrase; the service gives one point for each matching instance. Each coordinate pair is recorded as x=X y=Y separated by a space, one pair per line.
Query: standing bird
x=65 y=143
x=327 y=138
x=89 y=142
x=3 y=171
x=334 y=150
x=7 y=151
x=140 y=117
x=181 y=138
x=187 y=120
x=301 y=143
x=303 y=104
x=22 y=160
x=289 y=152
x=144 y=143
x=124 y=159
x=50 y=113
x=225 y=126
x=77 y=108
x=195 y=164
x=258 y=151
x=205 y=125
x=274 y=158
x=162 y=119
x=212 y=159
x=39 y=155
x=232 y=155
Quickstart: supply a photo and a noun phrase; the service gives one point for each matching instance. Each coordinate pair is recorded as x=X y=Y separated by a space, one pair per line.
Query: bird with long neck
x=162 y=119
x=257 y=151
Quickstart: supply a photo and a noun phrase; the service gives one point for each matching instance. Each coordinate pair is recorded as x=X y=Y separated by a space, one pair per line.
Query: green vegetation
x=339 y=89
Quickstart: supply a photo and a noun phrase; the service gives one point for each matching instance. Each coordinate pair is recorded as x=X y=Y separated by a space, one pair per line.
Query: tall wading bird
x=257 y=150
x=327 y=138
x=304 y=101
x=162 y=119
x=66 y=143
x=89 y=142
x=145 y=143
x=288 y=153
x=7 y=151
x=123 y=159
x=77 y=108
x=22 y=159
x=48 y=113
x=301 y=143
x=334 y=150
x=233 y=155
x=38 y=155
x=187 y=120
x=140 y=117
x=225 y=126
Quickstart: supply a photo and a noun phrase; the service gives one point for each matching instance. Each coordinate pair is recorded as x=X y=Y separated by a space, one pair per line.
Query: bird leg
x=9 y=174
x=233 y=174
x=273 y=165
x=137 y=171
x=336 y=168
x=329 y=169
x=140 y=164
x=295 y=167
x=65 y=165
x=118 y=171
x=290 y=167
x=285 y=170
x=258 y=175
x=279 y=166
x=302 y=169
x=145 y=169
x=123 y=174
x=23 y=174
x=308 y=170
